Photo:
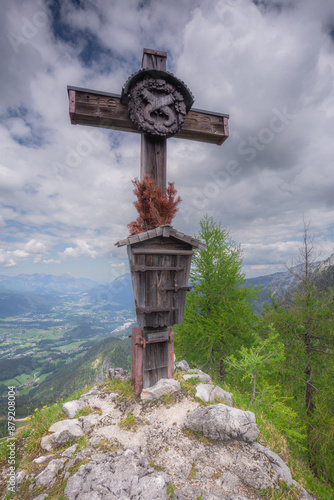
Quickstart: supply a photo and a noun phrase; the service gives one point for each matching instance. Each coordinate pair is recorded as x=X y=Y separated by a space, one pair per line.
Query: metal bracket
x=141 y=341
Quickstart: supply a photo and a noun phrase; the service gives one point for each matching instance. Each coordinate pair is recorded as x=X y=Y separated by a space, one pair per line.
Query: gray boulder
x=48 y=475
x=89 y=422
x=71 y=407
x=163 y=386
x=303 y=493
x=209 y=393
x=20 y=475
x=90 y=394
x=181 y=366
x=67 y=430
x=119 y=374
x=223 y=423
x=117 y=475
x=69 y=451
x=281 y=469
x=62 y=425
x=42 y=459
x=62 y=431
x=56 y=439
x=198 y=374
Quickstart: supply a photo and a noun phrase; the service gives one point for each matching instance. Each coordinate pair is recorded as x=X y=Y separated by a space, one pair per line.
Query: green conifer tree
x=218 y=317
x=305 y=322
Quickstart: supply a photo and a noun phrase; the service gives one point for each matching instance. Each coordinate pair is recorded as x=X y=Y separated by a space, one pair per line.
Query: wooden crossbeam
x=105 y=110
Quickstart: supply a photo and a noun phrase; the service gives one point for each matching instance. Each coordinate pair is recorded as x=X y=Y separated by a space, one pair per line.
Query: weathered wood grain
x=160 y=270
x=100 y=109
x=153 y=159
x=156 y=59
x=137 y=360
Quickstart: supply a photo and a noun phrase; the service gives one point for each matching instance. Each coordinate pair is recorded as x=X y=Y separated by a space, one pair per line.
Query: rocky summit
x=168 y=445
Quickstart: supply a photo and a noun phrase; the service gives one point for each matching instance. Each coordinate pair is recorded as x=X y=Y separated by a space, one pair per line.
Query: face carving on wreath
x=157 y=107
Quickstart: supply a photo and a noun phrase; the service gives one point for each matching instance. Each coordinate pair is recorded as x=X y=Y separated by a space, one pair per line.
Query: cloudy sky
x=66 y=192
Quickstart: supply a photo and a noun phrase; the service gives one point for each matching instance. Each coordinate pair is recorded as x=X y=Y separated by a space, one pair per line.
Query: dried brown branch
x=155 y=208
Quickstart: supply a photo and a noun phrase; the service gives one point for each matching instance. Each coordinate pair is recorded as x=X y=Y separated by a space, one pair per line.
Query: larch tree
x=218 y=315
x=305 y=320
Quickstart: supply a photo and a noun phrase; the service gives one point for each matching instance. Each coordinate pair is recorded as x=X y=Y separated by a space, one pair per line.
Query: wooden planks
x=154 y=59
x=151 y=362
x=101 y=109
x=160 y=275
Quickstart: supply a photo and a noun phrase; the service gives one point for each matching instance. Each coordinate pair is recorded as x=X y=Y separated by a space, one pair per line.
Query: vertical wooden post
x=153 y=159
x=155 y=59
x=171 y=353
x=153 y=156
x=137 y=359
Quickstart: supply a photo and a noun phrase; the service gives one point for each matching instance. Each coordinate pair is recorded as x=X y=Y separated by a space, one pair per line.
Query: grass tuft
x=125 y=389
x=129 y=423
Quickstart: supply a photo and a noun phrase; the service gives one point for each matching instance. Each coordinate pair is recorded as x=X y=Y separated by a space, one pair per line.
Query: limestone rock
x=46 y=443
x=62 y=431
x=303 y=493
x=232 y=468
x=223 y=423
x=190 y=493
x=20 y=475
x=41 y=497
x=48 y=475
x=69 y=451
x=201 y=376
x=42 y=459
x=119 y=374
x=163 y=386
x=67 y=430
x=64 y=425
x=181 y=366
x=71 y=407
x=209 y=393
x=89 y=422
x=117 y=475
x=93 y=392
x=281 y=469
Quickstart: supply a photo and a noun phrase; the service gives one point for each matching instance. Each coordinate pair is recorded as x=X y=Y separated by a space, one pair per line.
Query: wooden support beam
x=153 y=152
x=154 y=59
x=137 y=359
x=153 y=159
x=105 y=110
x=170 y=369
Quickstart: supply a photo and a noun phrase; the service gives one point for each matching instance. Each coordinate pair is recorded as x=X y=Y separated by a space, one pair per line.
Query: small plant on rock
x=170 y=491
x=129 y=422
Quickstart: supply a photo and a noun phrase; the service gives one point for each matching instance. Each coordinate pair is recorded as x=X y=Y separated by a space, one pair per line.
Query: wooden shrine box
x=160 y=262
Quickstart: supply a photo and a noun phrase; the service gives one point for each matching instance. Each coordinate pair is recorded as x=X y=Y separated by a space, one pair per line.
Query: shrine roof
x=164 y=231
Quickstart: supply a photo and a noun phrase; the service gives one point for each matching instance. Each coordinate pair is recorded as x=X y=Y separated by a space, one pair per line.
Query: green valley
x=44 y=336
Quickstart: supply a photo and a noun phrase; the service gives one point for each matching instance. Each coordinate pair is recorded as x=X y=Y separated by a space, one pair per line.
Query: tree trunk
x=310 y=410
x=254 y=386
x=222 y=371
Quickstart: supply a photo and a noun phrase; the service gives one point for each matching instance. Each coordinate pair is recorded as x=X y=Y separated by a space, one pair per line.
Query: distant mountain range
x=46 y=283
x=278 y=284
x=119 y=291
x=16 y=303
x=39 y=291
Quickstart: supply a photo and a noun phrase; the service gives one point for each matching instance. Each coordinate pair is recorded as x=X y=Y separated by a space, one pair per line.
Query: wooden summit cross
x=157 y=105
